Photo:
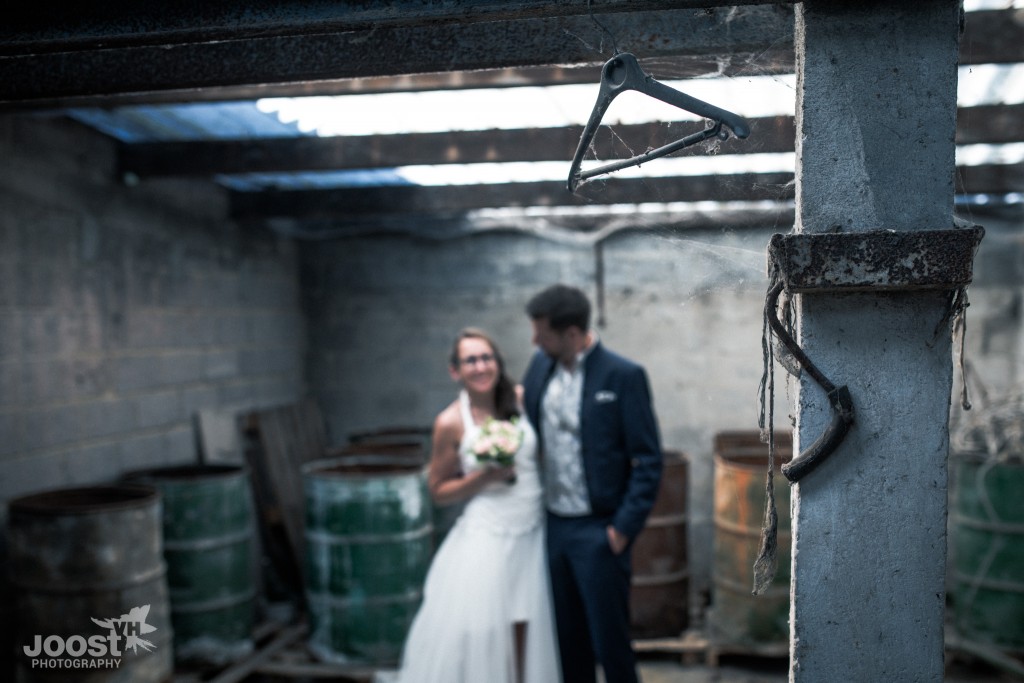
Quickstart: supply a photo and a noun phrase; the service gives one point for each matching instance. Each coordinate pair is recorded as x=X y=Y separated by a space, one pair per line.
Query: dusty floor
x=757 y=670
x=668 y=661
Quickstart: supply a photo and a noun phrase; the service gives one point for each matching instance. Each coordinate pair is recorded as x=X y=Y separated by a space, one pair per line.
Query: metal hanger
x=621 y=73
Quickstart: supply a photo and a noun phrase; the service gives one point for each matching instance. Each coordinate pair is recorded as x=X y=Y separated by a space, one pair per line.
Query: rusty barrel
x=987 y=548
x=740 y=467
x=91 y=598
x=209 y=549
x=368 y=548
x=660 y=583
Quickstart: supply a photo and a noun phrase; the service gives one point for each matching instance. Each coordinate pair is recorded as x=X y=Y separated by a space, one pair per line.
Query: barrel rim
x=748 y=434
x=674 y=456
x=405 y=431
x=328 y=468
x=754 y=462
x=188 y=472
x=743 y=449
x=84 y=500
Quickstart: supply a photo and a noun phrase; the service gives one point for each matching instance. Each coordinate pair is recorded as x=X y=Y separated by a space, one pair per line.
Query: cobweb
x=752 y=85
x=994 y=430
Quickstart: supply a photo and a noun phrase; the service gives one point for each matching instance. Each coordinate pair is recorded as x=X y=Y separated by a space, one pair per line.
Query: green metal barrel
x=89 y=584
x=737 y=617
x=987 y=548
x=208 y=546
x=368 y=547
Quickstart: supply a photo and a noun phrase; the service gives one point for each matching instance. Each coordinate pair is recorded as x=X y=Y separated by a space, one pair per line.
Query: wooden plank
x=694 y=645
x=282 y=439
x=284 y=578
x=219 y=436
x=242 y=670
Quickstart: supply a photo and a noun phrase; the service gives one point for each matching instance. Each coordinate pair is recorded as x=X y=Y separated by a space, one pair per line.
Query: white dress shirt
x=565 y=485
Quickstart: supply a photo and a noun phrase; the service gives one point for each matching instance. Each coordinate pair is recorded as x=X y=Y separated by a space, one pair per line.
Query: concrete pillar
x=876 y=113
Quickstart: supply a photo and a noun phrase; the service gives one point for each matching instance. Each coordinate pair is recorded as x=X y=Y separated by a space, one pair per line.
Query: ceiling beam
x=364 y=202
x=990 y=124
x=990 y=179
x=210 y=157
x=73 y=75
x=986 y=124
x=566 y=227
x=47 y=61
x=456 y=199
x=770 y=61
x=37 y=29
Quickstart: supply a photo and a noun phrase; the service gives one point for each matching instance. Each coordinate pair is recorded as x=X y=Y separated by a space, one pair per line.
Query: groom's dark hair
x=562 y=306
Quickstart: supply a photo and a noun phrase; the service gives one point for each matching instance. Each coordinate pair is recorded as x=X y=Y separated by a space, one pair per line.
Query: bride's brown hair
x=506 y=406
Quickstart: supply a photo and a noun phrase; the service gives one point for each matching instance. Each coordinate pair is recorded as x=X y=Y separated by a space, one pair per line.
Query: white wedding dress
x=489 y=573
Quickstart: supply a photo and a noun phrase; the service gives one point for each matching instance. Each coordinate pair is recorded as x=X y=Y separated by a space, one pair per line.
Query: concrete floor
x=756 y=670
x=751 y=671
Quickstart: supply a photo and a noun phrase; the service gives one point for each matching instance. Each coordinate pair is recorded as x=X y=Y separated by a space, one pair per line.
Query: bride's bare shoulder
x=449 y=419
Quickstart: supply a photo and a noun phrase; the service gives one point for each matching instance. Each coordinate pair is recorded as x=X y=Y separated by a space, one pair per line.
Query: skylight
x=516 y=108
x=564 y=105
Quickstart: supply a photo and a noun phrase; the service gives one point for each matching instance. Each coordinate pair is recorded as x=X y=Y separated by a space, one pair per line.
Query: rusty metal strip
x=880 y=260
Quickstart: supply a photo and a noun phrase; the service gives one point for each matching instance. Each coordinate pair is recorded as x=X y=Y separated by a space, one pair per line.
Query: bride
x=486 y=612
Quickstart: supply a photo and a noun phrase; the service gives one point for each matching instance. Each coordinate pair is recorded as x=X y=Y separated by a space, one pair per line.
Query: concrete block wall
x=383 y=311
x=124 y=310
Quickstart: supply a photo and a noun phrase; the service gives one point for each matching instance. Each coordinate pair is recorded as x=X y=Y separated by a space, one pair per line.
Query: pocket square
x=605 y=397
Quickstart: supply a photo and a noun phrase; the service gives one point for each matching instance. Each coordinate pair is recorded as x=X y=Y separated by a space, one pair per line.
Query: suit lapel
x=592 y=380
x=537 y=396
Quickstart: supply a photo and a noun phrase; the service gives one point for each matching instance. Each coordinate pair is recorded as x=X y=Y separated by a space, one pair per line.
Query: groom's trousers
x=590 y=586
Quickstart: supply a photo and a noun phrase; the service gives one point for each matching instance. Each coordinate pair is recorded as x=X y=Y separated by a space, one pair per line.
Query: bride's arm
x=445 y=478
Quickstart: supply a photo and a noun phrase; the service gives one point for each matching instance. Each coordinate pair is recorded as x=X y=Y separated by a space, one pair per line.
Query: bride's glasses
x=473 y=360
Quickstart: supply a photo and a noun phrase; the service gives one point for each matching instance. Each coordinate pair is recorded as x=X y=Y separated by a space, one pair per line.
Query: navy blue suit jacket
x=622 y=458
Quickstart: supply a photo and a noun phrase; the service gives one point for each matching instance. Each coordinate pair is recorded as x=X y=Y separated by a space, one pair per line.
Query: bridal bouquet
x=498 y=442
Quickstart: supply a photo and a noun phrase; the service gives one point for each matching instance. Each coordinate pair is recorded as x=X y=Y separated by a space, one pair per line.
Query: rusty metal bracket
x=839 y=398
x=879 y=260
x=874 y=261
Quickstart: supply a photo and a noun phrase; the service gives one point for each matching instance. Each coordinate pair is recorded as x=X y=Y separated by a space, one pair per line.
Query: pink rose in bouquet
x=498 y=442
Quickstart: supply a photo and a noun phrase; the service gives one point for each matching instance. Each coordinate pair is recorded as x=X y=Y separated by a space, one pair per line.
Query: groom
x=602 y=467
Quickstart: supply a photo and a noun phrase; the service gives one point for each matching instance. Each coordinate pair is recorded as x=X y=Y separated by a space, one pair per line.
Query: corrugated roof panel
x=199 y=121
x=254 y=182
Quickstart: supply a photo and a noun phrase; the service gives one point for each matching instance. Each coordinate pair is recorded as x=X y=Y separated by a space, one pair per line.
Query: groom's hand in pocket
x=617 y=540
